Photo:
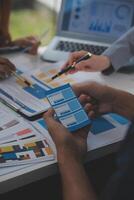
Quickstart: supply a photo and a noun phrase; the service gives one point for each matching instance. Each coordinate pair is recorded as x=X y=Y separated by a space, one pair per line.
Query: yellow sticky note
x=47 y=80
x=62 y=76
x=48 y=150
x=30 y=145
x=45 y=100
x=6 y=149
x=21 y=83
x=55 y=84
x=41 y=75
x=68 y=80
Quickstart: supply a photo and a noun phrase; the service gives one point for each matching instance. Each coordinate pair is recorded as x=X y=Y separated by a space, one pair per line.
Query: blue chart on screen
x=122 y=12
x=99 y=18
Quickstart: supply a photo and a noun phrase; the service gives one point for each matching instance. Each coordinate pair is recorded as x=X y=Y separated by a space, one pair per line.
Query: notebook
x=91 y=25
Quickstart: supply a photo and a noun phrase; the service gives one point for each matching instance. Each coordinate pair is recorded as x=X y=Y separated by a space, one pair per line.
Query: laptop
x=91 y=25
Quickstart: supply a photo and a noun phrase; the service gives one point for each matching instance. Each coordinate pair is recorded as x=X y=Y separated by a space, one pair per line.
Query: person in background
x=116 y=56
x=72 y=148
x=6 y=66
x=5 y=37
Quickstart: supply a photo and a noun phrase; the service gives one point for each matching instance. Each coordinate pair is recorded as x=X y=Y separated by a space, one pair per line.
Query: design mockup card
x=67 y=107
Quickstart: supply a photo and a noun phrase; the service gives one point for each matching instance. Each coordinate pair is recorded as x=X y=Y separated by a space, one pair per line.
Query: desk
x=39 y=171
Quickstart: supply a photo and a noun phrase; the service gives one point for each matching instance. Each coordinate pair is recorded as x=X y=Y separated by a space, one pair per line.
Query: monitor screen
x=106 y=18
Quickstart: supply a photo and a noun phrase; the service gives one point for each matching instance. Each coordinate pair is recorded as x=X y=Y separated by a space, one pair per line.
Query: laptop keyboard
x=72 y=46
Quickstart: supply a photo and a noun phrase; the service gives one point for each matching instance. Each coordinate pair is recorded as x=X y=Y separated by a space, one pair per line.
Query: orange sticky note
x=41 y=75
x=55 y=84
x=48 y=150
x=53 y=71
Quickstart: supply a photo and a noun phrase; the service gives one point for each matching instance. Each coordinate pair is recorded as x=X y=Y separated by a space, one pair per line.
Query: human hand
x=94 y=64
x=6 y=68
x=68 y=145
x=5 y=39
x=100 y=99
x=30 y=43
x=96 y=98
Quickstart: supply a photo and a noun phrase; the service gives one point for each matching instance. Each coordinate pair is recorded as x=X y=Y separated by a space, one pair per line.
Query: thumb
x=48 y=114
x=54 y=127
x=49 y=119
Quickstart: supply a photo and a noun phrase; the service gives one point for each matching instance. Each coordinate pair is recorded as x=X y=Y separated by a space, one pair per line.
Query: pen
x=85 y=57
x=21 y=78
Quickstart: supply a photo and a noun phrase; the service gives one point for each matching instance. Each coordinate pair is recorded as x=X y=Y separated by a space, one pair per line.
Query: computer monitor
x=97 y=18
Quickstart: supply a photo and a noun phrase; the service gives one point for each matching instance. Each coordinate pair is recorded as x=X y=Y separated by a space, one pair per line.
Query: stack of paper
x=20 y=142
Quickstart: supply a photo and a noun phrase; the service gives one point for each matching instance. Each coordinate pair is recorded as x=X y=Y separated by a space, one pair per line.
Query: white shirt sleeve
x=122 y=50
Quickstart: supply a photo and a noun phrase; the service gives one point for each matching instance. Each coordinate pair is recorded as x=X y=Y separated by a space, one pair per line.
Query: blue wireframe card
x=67 y=107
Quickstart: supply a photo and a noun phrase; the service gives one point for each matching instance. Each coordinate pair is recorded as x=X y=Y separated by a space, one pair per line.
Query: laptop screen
x=98 y=18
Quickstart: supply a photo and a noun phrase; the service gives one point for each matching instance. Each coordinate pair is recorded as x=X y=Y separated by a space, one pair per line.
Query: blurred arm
x=121 y=50
x=75 y=182
x=5 y=6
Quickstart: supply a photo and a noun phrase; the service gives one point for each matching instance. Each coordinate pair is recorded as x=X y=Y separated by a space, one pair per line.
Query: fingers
x=3 y=75
x=34 y=42
x=90 y=105
x=49 y=119
x=84 y=99
x=31 y=44
x=49 y=114
x=72 y=58
x=24 y=42
x=89 y=108
x=76 y=55
x=4 y=72
x=34 y=48
x=5 y=39
x=5 y=61
x=55 y=128
x=84 y=88
x=87 y=97
x=84 y=66
x=89 y=88
x=94 y=64
x=6 y=68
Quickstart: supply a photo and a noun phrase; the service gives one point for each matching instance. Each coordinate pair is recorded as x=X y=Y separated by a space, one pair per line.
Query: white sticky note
x=69 y=121
x=62 y=109
x=55 y=98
